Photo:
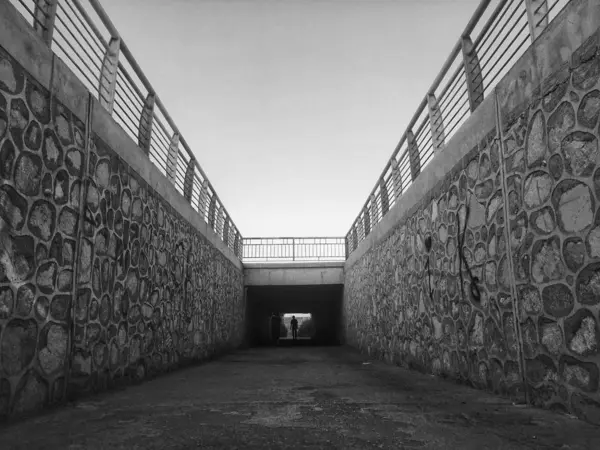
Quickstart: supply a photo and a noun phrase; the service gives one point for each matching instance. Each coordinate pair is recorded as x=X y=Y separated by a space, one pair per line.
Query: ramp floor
x=298 y=398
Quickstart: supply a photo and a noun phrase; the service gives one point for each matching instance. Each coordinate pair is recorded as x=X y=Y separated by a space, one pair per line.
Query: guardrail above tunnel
x=293 y=261
x=293 y=249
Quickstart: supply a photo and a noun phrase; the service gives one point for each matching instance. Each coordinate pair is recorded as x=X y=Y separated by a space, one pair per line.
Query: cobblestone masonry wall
x=439 y=292
x=41 y=156
x=147 y=291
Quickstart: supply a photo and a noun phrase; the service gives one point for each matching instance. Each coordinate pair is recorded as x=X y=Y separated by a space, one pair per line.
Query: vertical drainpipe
x=513 y=284
x=81 y=220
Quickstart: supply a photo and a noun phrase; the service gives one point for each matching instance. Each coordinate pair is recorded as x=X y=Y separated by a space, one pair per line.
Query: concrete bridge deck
x=293 y=273
x=299 y=398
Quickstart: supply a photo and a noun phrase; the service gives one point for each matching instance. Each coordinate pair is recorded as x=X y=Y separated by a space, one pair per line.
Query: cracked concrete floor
x=304 y=397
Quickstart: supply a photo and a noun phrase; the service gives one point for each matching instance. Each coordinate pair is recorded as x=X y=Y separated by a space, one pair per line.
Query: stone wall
x=42 y=147
x=152 y=291
x=493 y=276
x=106 y=274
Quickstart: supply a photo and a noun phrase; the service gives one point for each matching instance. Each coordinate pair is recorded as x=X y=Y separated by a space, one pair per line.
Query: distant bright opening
x=306 y=326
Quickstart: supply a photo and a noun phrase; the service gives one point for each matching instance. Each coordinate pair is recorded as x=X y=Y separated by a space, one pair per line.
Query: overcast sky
x=292 y=107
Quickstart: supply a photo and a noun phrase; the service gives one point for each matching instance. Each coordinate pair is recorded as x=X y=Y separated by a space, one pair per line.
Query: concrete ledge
x=307 y=274
x=69 y=90
x=469 y=135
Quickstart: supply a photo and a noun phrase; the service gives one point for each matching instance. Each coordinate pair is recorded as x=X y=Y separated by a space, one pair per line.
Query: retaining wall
x=488 y=269
x=107 y=275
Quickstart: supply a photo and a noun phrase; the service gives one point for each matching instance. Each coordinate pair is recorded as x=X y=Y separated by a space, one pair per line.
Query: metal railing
x=306 y=249
x=83 y=36
x=498 y=33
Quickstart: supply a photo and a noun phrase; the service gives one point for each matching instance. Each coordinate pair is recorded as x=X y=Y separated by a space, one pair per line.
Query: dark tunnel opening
x=323 y=303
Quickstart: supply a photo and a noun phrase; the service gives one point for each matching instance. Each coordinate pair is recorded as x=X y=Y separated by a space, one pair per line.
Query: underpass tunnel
x=323 y=302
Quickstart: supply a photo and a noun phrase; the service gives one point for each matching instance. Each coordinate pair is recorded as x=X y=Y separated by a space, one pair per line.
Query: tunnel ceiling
x=295 y=298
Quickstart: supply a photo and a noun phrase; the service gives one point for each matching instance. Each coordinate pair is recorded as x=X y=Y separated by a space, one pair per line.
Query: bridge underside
x=323 y=302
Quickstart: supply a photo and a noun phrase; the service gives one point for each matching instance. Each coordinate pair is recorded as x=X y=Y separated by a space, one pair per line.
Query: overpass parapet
x=290 y=249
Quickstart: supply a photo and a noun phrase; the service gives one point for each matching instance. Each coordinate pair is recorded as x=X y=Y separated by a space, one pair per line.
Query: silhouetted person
x=294 y=324
x=275 y=328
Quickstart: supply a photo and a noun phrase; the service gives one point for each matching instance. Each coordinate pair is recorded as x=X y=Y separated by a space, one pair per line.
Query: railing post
x=472 y=73
x=108 y=74
x=367 y=219
x=45 y=16
x=231 y=236
x=396 y=179
x=203 y=201
x=354 y=238
x=146 y=120
x=436 y=123
x=537 y=16
x=373 y=211
x=346 y=245
x=211 y=211
x=188 y=182
x=226 y=229
x=218 y=227
x=413 y=155
x=385 y=199
x=236 y=241
x=361 y=227
x=293 y=249
x=239 y=245
x=172 y=157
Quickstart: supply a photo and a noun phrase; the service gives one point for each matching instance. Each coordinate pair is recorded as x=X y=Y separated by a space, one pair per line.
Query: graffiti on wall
x=100 y=278
x=511 y=233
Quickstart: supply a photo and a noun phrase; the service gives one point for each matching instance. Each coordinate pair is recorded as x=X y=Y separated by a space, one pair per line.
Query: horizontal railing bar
x=476 y=17
x=490 y=22
x=90 y=22
x=84 y=20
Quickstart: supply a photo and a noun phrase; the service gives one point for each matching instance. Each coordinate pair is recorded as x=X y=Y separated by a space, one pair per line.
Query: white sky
x=292 y=107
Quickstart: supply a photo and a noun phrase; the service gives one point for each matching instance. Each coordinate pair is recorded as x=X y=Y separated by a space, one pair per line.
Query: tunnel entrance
x=320 y=306
x=305 y=327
